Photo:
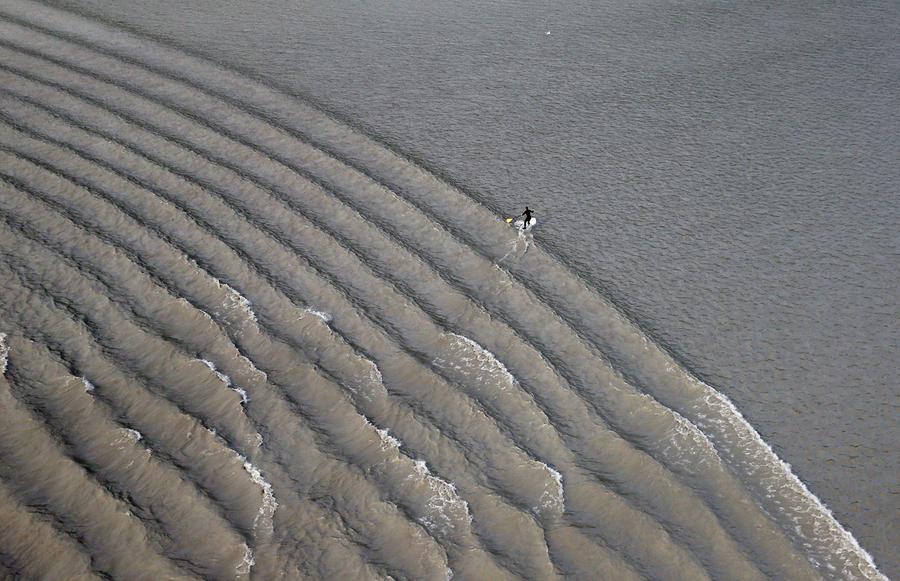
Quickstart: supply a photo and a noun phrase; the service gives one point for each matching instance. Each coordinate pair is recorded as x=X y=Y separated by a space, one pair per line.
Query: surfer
x=527 y=214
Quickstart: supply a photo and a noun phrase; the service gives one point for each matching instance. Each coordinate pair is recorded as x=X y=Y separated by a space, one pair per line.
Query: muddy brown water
x=243 y=339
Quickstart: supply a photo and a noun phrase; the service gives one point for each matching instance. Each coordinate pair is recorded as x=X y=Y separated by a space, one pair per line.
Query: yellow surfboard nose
x=509 y=220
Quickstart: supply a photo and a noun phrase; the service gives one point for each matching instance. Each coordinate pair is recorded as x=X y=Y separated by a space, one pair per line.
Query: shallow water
x=264 y=344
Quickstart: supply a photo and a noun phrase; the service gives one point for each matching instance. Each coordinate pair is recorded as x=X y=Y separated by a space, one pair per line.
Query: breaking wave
x=455 y=404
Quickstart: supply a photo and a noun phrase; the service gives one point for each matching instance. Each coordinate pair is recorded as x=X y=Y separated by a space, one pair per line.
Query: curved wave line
x=191 y=116
x=60 y=297
x=180 y=509
x=837 y=525
x=316 y=519
x=26 y=538
x=172 y=452
x=74 y=515
x=197 y=218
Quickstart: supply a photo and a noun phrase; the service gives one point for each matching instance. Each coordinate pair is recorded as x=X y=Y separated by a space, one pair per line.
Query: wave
x=4 y=353
x=269 y=504
x=425 y=401
x=227 y=381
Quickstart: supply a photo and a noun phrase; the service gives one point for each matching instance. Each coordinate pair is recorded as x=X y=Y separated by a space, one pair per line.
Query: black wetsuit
x=527 y=214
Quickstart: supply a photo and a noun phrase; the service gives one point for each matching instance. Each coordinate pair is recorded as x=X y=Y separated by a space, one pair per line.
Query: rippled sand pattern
x=241 y=339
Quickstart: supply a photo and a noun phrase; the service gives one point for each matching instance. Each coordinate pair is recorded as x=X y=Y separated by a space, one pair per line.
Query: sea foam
x=269 y=504
x=227 y=381
x=825 y=538
x=325 y=317
x=246 y=563
x=237 y=301
x=553 y=498
x=4 y=353
x=444 y=507
x=387 y=440
x=476 y=357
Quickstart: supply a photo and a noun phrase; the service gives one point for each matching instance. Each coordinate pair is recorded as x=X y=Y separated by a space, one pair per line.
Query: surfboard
x=518 y=222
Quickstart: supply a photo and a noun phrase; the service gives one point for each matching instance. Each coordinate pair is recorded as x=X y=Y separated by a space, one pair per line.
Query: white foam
x=828 y=540
x=227 y=381
x=88 y=386
x=244 y=397
x=247 y=363
x=4 y=353
x=686 y=446
x=387 y=440
x=134 y=434
x=269 y=504
x=247 y=562
x=234 y=300
x=444 y=508
x=238 y=301
x=375 y=373
x=369 y=385
x=825 y=538
x=128 y=436
x=553 y=499
x=474 y=357
x=222 y=377
x=326 y=317
x=251 y=369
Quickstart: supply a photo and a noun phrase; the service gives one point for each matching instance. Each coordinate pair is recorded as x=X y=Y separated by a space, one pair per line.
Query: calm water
x=727 y=175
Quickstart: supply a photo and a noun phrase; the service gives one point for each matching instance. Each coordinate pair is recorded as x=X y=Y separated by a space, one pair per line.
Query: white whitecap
x=237 y=301
x=444 y=507
x=375 y=373
x=128 y=436
x=244 y=397
x=222 y=377
x=253 y=369
x=4 y=353
x=686 y=446
x=269 y=504
x=474 y=361
x=227 y=381
x=325 y=317
x=828 y=538
x=387 y=440
x=246 y=563
x=88 y=386
x=553 y=498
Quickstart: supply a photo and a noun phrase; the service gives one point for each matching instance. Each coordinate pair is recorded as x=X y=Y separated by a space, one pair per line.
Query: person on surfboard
x=527 y=214
x=526 y=222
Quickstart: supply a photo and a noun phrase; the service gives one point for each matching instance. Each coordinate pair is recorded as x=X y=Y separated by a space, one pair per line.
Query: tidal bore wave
x=241 y=339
